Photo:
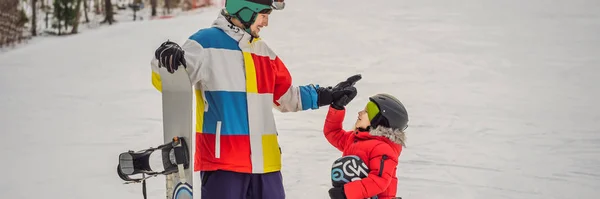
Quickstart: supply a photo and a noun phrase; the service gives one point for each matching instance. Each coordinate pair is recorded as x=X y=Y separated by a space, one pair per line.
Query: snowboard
x=347 y=169
x=177 y=110
x=176 y=152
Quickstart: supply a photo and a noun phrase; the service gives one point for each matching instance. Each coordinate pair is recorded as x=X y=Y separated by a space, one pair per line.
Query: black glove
x=170 y=55
x=346 y=95
x=337 y=193
x=324 y=96
x=340 y=95
x=349 y=82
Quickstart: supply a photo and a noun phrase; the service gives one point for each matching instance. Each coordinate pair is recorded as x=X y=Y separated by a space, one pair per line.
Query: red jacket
x=373 y=150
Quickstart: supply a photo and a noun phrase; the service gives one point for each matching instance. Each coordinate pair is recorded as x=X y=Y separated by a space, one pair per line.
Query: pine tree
x=65 y=12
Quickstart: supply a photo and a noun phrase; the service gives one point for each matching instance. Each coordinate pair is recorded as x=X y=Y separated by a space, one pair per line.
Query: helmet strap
x=379 y=120
x=364 y=129
x=246 y=24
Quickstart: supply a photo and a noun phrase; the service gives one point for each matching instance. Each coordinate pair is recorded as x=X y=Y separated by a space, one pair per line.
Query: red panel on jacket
x=265 y=74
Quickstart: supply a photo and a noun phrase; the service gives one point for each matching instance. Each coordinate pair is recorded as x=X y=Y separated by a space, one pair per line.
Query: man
x=238 y=80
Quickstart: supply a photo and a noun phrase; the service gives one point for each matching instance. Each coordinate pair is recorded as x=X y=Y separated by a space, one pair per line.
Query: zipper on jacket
x=205 y=101
x=218 y=141
x=383 y=158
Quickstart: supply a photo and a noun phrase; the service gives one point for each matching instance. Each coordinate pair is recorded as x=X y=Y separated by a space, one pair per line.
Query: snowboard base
x=177 y=112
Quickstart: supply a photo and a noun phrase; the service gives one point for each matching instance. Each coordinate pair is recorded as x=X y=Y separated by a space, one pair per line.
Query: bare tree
x=85 y=11
x=108 y=11
x=168 y=6
x=153 y=3
x=34 y=17
x=77 y=17
x=46 y=8
x=97 y=6
x=12 y=21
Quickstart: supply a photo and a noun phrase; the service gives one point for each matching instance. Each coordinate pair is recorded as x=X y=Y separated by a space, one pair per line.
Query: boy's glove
x=346 y=95
x=170 y=55
x=340 y=95
x=337 y=193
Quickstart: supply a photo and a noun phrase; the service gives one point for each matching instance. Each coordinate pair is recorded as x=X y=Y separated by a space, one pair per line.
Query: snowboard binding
x=174 y=154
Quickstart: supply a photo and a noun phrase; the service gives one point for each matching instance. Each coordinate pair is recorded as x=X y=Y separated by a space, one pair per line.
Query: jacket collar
x=395 y=137
x=237 y=33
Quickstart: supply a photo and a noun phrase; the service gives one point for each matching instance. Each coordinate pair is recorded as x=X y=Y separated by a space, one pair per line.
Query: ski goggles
x=278 y=4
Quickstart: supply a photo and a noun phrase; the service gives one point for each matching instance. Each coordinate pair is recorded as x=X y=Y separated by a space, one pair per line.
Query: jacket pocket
x=218 y=141
x=205 y=176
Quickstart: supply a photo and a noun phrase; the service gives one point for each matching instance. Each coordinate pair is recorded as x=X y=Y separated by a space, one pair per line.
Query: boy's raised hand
x=340 y=95
x=345 y=96
x=344 y=92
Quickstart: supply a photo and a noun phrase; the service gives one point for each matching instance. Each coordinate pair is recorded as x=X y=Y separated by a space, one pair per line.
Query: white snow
x=502 y=97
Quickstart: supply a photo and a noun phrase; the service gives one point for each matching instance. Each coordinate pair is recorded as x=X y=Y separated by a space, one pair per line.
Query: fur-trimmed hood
x=394 y=135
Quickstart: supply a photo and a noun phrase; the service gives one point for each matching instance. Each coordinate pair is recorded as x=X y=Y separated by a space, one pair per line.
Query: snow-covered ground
x=502 y=97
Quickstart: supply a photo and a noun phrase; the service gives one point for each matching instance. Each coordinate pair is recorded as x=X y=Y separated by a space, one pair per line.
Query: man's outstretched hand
x=170 y=55
x=340 y=95
x=349 y=82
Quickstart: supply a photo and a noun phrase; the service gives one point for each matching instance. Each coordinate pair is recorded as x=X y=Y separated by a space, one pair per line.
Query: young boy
x=377 y=139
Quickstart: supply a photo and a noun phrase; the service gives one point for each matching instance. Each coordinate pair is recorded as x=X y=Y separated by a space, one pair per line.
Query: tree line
x=19 y=18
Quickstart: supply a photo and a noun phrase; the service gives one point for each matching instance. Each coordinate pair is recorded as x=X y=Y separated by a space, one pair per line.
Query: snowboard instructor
x=238 y=80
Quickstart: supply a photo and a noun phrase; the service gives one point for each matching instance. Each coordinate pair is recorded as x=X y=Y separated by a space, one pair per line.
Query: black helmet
x=387 y=111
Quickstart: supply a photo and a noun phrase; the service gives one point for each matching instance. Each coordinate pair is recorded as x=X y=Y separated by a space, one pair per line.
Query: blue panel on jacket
x=215 y=38
x=230 y=108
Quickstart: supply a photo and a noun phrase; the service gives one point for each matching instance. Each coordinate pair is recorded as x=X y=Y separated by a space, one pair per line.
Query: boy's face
x=262 y=20
x=363 y=120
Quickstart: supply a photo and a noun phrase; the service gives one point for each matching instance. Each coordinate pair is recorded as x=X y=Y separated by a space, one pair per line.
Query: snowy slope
x=502 y=97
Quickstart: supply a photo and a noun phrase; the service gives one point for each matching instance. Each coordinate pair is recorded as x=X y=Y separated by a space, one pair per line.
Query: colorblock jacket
x=238 y=81
x=379 y=148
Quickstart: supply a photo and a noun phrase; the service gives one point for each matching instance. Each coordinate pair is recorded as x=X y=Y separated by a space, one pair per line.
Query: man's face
x=262 y=20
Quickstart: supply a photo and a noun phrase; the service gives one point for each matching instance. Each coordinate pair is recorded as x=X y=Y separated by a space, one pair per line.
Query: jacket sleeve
x=334 y=133
x=194 y=55
x=290 y=98
x=382 y=167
